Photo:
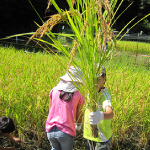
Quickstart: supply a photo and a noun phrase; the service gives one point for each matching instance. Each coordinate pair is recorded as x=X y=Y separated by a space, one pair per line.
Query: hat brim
x=66 y=86
x=68 y=77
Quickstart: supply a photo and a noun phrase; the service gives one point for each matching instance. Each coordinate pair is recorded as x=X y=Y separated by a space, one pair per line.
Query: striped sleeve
x=107 y=101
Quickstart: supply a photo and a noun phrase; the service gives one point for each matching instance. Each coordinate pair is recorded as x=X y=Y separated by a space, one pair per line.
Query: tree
x=18 y=16
x=138 y=9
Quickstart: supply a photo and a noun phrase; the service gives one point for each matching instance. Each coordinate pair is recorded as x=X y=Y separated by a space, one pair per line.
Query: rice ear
x=88 y=21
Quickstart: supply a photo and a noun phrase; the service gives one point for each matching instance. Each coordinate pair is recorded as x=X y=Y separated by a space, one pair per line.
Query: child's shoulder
x=106 y=94
x=105 y=90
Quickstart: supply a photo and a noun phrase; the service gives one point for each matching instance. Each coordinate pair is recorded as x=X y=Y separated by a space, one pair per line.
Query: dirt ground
x=31 y=143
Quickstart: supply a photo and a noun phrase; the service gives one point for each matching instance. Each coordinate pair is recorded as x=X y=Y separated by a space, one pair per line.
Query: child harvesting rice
x=65 y=103
x=6 y=127
x=100 y=118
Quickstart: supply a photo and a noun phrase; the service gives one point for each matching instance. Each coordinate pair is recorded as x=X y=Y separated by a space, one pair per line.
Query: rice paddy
x=26 y=79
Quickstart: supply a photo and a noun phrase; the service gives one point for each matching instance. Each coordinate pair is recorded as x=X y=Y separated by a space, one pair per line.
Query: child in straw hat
x=102 y=118
x=66 y=102
x=6 y=127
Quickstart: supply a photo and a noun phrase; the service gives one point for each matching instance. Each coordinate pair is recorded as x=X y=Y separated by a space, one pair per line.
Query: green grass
x=134 y=47
x=130 y=88
x=25 y=82
x=26 y=79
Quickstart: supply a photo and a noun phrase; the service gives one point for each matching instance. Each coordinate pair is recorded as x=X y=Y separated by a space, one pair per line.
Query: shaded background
x=18 y=16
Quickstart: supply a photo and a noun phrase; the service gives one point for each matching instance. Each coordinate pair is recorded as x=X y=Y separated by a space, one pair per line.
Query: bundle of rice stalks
x=88 y=20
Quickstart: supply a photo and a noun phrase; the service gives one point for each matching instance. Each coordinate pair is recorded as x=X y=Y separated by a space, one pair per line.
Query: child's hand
x=96 y=117
x=17 y=140
x=78 y=127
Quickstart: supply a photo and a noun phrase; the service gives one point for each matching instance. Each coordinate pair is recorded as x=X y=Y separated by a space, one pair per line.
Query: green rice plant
x=131 y=97
x=26 y=80
x=88 y=21
x=134 y=47
x=24 y=88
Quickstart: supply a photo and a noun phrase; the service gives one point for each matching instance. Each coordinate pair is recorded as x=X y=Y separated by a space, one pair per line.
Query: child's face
x=100 y=82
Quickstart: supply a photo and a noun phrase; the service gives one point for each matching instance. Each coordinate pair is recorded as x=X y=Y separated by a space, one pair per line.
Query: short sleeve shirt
x=104 y=128
x=62 y=114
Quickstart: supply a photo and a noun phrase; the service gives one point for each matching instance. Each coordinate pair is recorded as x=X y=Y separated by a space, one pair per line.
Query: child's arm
x=97 y=116
x=50 y=103
x=17 y=140
x=79 y=117
x=108 y=114
x=79 y=113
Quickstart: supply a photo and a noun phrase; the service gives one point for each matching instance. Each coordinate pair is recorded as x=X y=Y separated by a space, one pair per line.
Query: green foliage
x=128 y=81
x=88 y=22
x=26 y=80
x=146 y=26
x=134 y=47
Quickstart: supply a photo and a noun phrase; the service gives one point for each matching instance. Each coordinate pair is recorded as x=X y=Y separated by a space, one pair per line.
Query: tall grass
x=25 y=83
x=26 y=80
x=130 y=87
x=88 y=21
x=134 y=47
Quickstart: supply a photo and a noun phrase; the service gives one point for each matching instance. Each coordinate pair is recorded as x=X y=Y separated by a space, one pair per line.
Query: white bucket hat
x=67 y=86
x=73 y=74
x=71 y=80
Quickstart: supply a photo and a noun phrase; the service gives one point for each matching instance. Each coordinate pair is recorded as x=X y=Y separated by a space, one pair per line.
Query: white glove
x=78 y=127
x=106 y=103
x=96 y=117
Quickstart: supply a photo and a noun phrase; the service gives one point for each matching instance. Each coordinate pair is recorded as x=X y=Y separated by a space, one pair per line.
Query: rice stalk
x=88 y=21
x=49 y=24
x=72 y=53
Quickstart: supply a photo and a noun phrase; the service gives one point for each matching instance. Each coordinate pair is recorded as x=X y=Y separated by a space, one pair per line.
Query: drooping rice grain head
x=103 y=20
x=78 y=13
x=72 y=53
x=84 y=26
x=48 y=4
x=73 y=2
x=98 y=36
x=49 y=24
x=106 y=6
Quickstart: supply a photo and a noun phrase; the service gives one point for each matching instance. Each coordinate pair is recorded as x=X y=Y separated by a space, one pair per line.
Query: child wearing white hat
x=65 y=104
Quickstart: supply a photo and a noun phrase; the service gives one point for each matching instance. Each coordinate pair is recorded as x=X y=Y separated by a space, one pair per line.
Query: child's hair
x=6 y=125
x=103 y=73
x=66 y=96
